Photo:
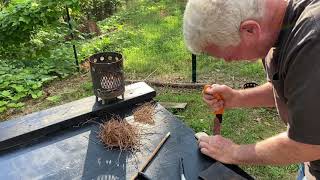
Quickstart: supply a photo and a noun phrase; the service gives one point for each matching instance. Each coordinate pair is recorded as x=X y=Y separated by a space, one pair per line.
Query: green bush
x=98 y=9
x=18 y=81
x=35 y=46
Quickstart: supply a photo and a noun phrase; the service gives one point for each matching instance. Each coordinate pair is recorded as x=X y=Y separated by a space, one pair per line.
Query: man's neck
x=274 y=15
x=280 y=7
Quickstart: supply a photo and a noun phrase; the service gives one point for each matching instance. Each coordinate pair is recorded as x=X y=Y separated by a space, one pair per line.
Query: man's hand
x=230 y=97
x=277 y=150
x=219 y=148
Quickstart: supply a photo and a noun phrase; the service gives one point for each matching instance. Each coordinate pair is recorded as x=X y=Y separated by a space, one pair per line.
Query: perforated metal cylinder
x=107 y=75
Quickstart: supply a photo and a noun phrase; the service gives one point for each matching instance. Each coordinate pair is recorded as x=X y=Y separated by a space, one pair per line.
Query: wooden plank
x=18 y=131
x=173 y=105
x=173 y=85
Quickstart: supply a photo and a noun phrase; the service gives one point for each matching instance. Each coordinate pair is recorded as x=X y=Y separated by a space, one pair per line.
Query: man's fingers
x=218 y=105
x=206 y=101
x=214 y=101
x=215 y=88
x=205 y=151
x=204 y=139
x=209 y=102
x=210 y=90
x=203 y=145
x=208 y=97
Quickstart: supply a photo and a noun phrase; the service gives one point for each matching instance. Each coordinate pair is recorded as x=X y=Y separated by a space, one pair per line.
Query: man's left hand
x=218 y=148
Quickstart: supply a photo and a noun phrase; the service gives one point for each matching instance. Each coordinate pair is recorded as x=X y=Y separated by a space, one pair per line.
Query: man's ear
x=250 y=31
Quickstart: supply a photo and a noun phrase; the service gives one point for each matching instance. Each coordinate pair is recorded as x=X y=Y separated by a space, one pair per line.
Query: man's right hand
x=230 y=97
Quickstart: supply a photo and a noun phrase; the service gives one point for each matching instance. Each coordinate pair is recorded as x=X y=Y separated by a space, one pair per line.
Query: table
x=66 y=147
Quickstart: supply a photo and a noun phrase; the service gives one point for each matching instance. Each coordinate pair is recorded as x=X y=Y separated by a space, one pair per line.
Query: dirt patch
x=85 y=65
x=163 y=13
x=67 y=85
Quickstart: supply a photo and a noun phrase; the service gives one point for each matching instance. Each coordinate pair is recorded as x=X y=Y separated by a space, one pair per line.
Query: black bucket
x=107 y=76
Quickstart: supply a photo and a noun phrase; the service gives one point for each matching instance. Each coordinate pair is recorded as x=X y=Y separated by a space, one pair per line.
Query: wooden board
x=173 y=105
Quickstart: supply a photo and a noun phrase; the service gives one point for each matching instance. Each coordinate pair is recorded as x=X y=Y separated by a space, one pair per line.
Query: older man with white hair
x=286 y=34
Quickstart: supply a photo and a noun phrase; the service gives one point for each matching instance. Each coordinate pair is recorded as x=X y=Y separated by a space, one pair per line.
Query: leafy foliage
x=23 y=22
x=29 y=28
x=34 y=44
x=18 y=82
x=98 y=9
x=20 y=20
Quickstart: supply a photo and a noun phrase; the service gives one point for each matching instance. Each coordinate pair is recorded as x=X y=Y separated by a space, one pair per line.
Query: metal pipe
x=72 y=36
x=194 y=68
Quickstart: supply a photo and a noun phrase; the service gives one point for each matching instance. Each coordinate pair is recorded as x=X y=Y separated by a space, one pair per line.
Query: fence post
x=72 y=36
x=194 y=68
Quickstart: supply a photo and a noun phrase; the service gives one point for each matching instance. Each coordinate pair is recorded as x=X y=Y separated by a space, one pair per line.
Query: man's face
x=234 y=53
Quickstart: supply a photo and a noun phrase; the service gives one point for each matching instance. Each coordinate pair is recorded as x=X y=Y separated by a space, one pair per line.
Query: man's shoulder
x=305 y=25
x=302 y=36
x=310 y=17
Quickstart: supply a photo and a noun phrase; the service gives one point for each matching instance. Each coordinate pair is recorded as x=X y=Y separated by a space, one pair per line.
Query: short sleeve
x=302 y=90
x=269 y=65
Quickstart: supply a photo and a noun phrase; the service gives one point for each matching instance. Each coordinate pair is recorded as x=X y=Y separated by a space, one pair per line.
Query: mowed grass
x=149 y=34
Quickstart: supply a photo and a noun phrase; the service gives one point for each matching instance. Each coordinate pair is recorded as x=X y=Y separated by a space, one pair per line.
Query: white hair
x=217 y=21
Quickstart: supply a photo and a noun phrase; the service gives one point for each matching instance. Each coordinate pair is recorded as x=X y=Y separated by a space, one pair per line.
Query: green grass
x=243 y=126
x=149 y=35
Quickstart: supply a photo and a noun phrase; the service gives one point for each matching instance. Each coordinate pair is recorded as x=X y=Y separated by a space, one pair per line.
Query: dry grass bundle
x=118 y=133
x=145 y=113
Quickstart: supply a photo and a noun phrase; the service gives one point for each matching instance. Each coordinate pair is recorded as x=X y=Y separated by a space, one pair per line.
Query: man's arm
x=277 y=150
x=260 y=96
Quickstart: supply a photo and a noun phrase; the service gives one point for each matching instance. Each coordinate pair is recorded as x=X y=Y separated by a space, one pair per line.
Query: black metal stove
x=107 y=76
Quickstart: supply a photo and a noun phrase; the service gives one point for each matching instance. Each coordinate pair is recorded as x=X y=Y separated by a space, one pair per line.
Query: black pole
x=72 y=36
x=194 y=68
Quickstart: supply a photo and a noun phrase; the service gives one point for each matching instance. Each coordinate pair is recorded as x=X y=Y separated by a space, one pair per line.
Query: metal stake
x=194 y=68
x=72 y=36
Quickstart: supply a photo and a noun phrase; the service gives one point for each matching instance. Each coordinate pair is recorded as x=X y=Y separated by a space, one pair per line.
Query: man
x=286 y=34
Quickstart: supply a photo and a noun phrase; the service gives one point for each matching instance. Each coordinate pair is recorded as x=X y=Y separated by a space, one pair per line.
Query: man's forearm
x=261 y=96
x=277 y=150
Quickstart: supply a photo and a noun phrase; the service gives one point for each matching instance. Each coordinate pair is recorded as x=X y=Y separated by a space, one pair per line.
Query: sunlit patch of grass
x=149 y=35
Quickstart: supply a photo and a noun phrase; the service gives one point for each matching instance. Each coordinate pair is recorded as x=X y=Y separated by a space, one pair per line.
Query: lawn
x=149 y=35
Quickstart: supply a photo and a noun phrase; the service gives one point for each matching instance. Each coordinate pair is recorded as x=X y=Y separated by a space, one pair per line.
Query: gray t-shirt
x=293 y=67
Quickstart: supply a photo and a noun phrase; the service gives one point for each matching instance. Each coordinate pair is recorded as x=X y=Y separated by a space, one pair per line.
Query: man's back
x=295 y=73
